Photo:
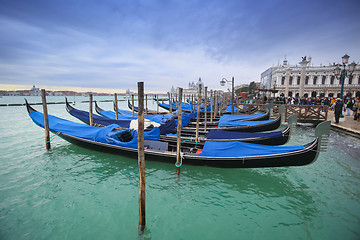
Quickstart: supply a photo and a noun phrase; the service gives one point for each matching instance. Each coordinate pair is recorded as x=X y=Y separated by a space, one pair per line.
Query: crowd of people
x=349 y=105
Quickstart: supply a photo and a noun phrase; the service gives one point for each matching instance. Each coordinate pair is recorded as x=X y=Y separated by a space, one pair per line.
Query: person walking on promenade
x=349 y=105
x=356 y=109
x=338 y=107
x=332 y=102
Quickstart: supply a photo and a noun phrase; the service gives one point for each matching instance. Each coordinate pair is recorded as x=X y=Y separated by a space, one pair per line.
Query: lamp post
x=342 y=73
x=222 y=83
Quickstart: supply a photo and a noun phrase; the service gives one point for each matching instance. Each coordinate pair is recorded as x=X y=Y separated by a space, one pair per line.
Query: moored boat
x=267 y=138
x=110 y=139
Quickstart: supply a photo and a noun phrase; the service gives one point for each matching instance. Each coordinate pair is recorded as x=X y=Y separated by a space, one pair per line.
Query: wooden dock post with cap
x=215 y=104
x=116 y=107
x=132 y=102
x=178 y=134
x=170 y=102
x=192 y=103
x=91 y=110
x=205 y=110
x=141 y=158
x=46 y=120
x=211 y=105
x=198 y=116
x=146 y=107
x=157 y=103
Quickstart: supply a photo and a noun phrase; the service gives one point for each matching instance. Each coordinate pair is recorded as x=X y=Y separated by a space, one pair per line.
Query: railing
x=306 y=113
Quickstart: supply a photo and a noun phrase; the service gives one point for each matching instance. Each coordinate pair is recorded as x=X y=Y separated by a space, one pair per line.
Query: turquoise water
x=75 y=193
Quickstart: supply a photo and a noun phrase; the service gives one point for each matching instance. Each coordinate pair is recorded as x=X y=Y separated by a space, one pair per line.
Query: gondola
x=242 y=109
x=166 y=130
x=165 y=126
x=228 y=118
x=243 y=126
x=266 y=138
x=214 y=154
x=147 y=111
x=186 y=107
x=238 y=126
x=247 y=117
x=159 y=118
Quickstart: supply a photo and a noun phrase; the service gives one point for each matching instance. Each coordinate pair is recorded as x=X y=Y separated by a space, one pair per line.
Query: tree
x=252 y=87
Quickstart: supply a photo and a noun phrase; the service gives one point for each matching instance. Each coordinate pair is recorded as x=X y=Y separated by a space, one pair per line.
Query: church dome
x=199 y=83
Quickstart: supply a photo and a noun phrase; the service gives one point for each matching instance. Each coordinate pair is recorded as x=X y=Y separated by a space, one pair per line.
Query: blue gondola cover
x=234 y=118
x=106 y=134
x=220 y=134
x=226 y=123
x=241 y=149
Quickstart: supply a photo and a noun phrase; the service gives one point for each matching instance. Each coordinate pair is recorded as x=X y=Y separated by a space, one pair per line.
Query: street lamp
x=222 y=83
x=342 y=73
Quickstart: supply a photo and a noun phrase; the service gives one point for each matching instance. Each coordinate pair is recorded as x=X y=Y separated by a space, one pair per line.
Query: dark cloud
x=130 y=38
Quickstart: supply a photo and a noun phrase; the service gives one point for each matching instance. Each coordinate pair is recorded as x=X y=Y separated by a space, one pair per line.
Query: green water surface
x=75 y=193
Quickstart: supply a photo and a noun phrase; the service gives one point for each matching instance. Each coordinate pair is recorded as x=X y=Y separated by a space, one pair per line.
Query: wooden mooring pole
x=192 y=103
x=116 y=107
x=146 y=107
x=178 y=134
x=205 y=106
x=157 y=103
x=141 y=158
x=211 y=105
x=170 y=102
x=132 y=102
x=46 y=120
x=198 y=116
x=91 y=110
x=215 y=104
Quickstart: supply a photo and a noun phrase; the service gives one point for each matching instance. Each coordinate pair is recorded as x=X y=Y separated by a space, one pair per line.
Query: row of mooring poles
x=141 y=119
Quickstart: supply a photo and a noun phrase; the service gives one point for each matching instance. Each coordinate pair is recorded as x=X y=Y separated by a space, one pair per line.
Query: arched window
x=359 y=79
x=282 y=80
x=332 y=79
x=323 y=80
x=314 y=80
x=350 y=79
x=290 y=80
x=298 y=80
x=307 y=80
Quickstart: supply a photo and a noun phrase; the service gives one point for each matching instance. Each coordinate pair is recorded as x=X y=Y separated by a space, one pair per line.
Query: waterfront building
x=34 y=91
x=318 y=80
x=193 y=88
x=14 y=93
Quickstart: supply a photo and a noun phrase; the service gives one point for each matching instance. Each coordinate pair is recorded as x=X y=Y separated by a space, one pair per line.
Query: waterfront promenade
x=346 y=124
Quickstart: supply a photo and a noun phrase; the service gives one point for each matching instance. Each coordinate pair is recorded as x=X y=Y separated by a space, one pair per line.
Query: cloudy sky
x=113 y=44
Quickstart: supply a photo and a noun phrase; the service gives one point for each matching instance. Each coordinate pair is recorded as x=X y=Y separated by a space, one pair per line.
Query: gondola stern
x=28 y=107
x=97 y=108
x=292 y=122
x=322 y=132
x=68 y=106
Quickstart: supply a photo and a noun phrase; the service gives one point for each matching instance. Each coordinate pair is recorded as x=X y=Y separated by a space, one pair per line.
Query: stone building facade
x=319 y=80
